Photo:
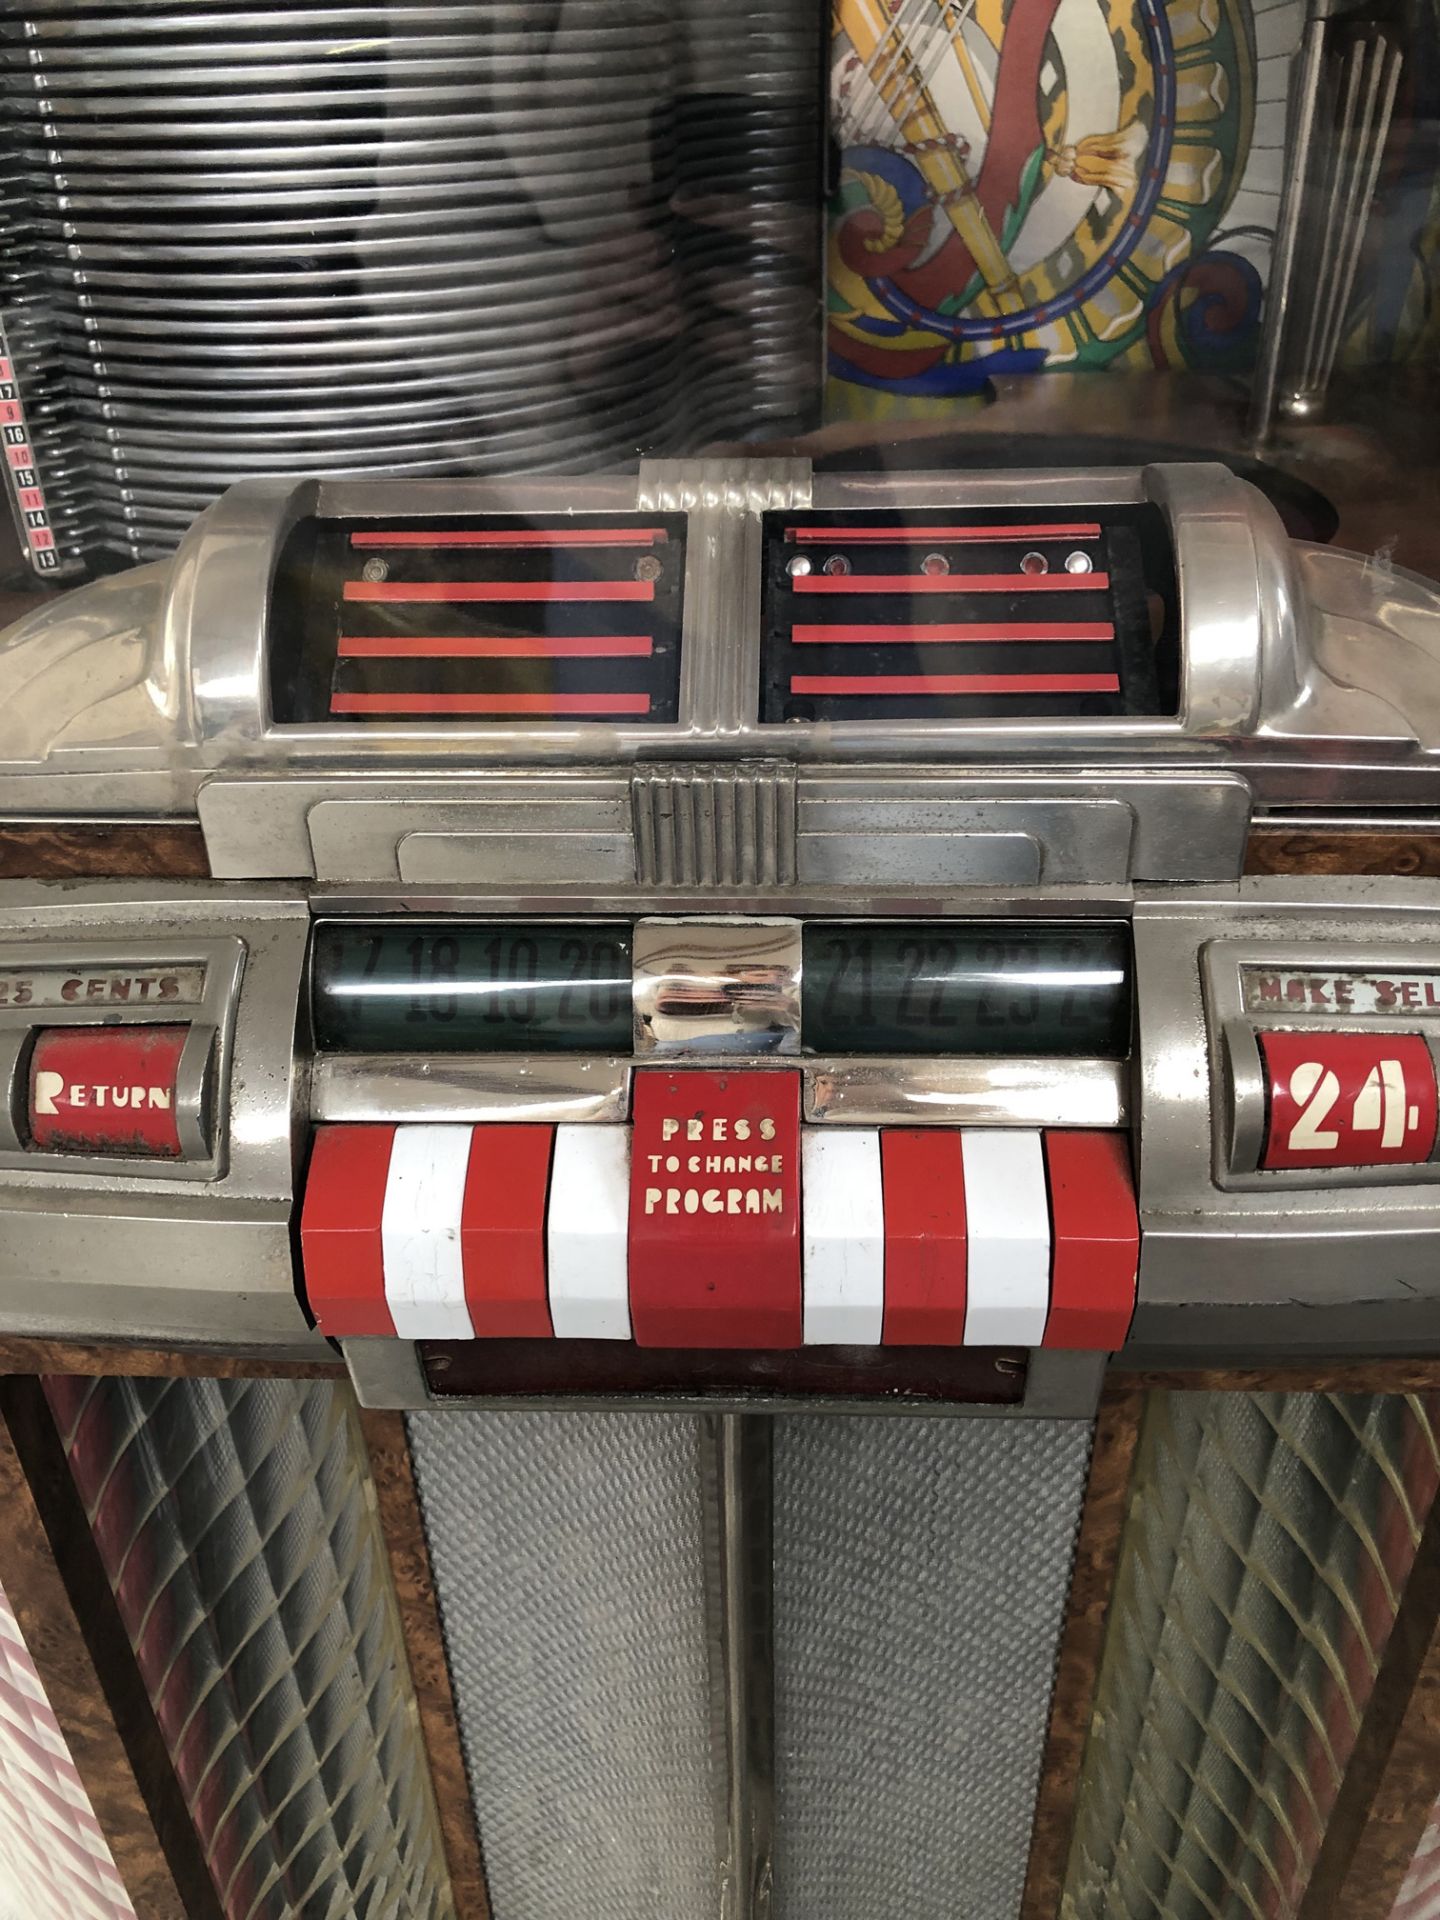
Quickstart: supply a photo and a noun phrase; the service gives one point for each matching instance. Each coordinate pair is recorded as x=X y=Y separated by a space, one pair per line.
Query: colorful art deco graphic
x=1050 y=184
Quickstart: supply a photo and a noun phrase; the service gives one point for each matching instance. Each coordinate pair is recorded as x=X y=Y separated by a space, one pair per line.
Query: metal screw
x=1079 y=563
x=800 y=564
x=647 y=567
x=375 y=570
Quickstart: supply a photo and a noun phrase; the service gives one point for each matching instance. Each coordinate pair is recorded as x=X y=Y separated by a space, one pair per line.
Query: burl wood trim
x=54 y=1580
x=1082 y=1640
x=399 y=1504
x=101 y=850
x=19 y=1354
x=1358 y=851
x=1393 y=1777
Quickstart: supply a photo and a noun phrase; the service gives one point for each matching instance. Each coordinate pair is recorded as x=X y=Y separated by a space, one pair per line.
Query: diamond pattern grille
x=1419 y=1895
x=237 y=1526
x=53 y=1856
x=1268 y=1540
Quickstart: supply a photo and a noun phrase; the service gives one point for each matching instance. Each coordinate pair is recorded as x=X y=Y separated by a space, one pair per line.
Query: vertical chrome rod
x=1303 y=110
x=1369 y=155
x=737 y=1472
x=1320 y=270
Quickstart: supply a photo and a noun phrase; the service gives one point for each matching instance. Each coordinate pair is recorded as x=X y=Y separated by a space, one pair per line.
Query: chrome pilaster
x=737 y=1487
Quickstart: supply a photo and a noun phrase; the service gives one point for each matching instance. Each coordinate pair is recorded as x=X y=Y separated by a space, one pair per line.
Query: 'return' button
x=110 y=1090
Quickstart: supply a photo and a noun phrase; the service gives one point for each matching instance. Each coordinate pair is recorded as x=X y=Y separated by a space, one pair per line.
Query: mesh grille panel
x=1267 y=1543
x=568 y=1558
x=53 y=1855
x=234 y=1523
x=921 y=1569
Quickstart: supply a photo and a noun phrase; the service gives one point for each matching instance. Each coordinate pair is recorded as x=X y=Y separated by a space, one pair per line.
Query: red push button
x=923 y=1183
x=714 y=1239
x=106 y=1090
x=1348 y=1100
x=1096 y=1231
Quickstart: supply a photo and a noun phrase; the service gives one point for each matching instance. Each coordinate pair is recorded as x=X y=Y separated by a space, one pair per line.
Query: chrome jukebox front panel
x=716 y=1211
x=735 y=798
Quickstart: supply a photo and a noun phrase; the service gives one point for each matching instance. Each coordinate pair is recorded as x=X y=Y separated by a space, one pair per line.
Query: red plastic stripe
x=982 y=633
x=520 y=537
x=456 y=591
x=714 y=1241
x=502 y=1232
x=958 y=583
x=938 y=683
x=925 y=1247
x=1080 y=530
x=526 y=705
x=1096 y=1238
x=340 y=1230
x=496 y=646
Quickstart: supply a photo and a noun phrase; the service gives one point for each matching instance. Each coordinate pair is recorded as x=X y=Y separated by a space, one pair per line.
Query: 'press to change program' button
x=106 y=1090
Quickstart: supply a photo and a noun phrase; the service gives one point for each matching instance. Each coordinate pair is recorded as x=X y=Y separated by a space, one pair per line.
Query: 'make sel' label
x=1313 y=990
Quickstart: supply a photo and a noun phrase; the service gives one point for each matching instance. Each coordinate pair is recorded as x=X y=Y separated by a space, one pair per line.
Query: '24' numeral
x=1380 y=1106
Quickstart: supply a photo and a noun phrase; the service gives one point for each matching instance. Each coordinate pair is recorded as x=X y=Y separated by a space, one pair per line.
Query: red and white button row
x=688 y=1230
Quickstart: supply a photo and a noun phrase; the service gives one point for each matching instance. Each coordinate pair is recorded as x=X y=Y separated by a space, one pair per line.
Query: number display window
x=951 y=987
x=461 y=987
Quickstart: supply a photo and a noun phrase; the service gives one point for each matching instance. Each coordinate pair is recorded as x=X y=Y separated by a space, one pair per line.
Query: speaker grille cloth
x=237 y=1526
x=1267 y=1543
x=921 y=1569
x=568 y=1560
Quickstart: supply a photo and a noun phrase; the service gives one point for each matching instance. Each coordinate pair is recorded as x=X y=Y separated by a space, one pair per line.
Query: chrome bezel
x=203 y=1076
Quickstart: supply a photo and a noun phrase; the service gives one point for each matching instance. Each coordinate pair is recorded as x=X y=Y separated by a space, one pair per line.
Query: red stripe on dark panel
x=1096 y=1241
x=977 y=633
x=502 y=1232
x=923 y=1182
x=1079 y=530
x=958 y=583
x=955 y=683
x=454 y=592
x=340 y=1241
x=584 y=646
x=528 y=704
x=520 y=537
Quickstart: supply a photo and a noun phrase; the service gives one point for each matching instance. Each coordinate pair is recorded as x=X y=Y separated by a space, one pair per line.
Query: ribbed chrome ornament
x=237 y=1526
x=1267 y=1544
x=438 y=239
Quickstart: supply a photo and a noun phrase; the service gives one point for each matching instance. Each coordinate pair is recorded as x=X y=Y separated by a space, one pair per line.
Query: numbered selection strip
x=1323 y=1108
x=27 y=492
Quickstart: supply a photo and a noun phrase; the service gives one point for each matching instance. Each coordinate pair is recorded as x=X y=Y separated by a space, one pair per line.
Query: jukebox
x=720 y=1049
